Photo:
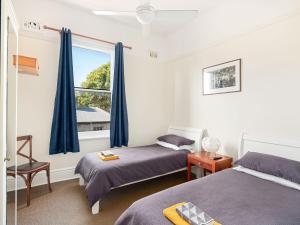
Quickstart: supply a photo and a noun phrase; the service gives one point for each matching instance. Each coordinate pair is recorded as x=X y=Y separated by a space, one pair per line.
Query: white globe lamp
x=211 y=145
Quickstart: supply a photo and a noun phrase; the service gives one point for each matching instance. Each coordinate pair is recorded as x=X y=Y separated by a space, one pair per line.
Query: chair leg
x=28 y=186
x=29 y=180
x=48 y=178
x=28 y=189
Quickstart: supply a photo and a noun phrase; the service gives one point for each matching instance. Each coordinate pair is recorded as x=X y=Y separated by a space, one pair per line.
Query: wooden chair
x=28 y=170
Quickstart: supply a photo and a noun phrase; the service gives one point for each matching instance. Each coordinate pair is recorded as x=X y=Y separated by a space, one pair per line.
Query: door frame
x=7 y=11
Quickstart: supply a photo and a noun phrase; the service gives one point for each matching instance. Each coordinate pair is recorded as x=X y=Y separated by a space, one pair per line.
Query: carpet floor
x=68 y=205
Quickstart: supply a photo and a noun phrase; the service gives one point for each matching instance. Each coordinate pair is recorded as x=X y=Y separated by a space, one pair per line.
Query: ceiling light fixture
x=145 y=14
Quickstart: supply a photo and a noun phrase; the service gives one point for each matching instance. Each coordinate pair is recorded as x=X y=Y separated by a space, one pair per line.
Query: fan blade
x=170 y=14
x=114 y=13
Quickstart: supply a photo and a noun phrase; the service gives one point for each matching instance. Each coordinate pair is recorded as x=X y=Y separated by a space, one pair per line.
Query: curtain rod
x=84 y=36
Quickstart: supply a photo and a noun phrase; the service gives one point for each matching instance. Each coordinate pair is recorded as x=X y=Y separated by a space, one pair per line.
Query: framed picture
x=222 y=78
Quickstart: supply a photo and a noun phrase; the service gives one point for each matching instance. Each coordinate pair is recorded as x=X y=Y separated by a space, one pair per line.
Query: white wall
x=268 y=104
x=147 y=104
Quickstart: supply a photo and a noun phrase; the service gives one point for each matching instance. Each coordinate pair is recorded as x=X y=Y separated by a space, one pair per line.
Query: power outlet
x=30 y=25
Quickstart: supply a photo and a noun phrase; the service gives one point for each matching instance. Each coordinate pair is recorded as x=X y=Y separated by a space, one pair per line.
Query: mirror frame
x=7 y=11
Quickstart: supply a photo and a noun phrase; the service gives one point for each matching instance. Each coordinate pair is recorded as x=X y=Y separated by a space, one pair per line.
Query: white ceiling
x=218 y=21
x=132 y=4
x=163 y=26
x=170 y=25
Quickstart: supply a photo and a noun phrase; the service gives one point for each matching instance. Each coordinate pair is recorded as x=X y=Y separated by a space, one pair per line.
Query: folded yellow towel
x=173 y=216
x=107 y=158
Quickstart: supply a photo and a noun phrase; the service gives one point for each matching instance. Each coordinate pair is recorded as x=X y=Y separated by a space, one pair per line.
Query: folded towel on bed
x=107 y=158
x=194 y=215
x=107 y=153
x=175 y=218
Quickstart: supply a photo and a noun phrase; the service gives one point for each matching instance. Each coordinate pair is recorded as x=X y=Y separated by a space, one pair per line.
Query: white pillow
x=268 y=177
x=174 y=147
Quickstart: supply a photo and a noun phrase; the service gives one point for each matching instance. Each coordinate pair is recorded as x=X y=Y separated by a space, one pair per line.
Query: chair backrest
x=27 y=140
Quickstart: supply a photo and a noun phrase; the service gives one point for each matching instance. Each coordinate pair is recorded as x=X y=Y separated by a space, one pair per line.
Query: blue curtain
x=64 y=136
x=119 y=117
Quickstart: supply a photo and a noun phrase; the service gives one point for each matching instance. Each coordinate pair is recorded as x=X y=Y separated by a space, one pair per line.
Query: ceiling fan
x=145 y=13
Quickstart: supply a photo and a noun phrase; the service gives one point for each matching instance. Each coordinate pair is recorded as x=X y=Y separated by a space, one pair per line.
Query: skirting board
x=56 y=175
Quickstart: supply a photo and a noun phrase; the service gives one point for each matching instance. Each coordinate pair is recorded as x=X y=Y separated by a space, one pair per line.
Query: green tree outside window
x=97 y=79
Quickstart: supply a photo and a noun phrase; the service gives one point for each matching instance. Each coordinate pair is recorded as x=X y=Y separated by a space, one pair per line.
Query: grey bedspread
x=231 y=197
x=134 y=164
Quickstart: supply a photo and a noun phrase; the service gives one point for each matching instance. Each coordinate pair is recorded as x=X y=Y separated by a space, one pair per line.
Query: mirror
x=11 y=121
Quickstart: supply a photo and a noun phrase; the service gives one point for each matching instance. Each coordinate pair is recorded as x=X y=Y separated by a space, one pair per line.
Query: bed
x=136 y=164
x=231 y=197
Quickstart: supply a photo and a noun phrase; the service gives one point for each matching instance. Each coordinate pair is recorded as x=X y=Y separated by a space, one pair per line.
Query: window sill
x=93 y=135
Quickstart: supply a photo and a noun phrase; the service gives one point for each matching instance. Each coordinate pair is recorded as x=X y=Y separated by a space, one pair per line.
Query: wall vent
x=153 y=54
x=30 y=25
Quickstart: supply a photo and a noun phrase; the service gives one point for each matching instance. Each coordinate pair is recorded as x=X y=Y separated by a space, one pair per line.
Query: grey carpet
x=67 y=204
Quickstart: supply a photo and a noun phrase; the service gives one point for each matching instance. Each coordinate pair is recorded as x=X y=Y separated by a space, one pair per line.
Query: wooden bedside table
x=202 y=160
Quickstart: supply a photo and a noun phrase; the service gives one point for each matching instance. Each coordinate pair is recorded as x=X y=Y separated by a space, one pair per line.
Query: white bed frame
x=190 y=133
x=272 y=146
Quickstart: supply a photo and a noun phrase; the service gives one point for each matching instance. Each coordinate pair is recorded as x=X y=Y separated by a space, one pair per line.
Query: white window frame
x=101 y=134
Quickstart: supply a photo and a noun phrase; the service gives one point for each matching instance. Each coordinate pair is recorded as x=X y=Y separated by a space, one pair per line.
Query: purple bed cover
x=230 y=197
x=135 y=164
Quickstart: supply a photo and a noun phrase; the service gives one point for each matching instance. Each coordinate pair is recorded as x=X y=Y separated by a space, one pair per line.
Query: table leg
x=189 y=171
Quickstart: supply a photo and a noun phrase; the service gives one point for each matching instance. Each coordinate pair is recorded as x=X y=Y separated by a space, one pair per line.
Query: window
x=92 y=81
